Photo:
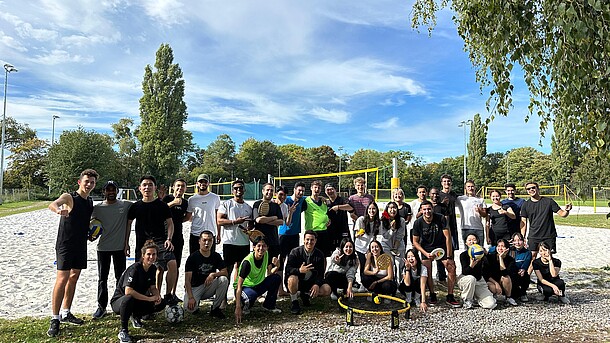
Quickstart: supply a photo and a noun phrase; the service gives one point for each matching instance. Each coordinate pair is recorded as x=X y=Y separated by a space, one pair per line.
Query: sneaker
x=176 y=299
x=245 y=310
x=564 y=300
x=524 y=299
x=305 y=298
x=333 y=297
x=99 y=313
x=362 y=289
x=500 y=297
x=452 y=301
x=274 y=310
x=148 y=316
x=295 y=308
x=217 y=313
x=69 y=318
x=136 y=322
x=467 y=304
x=408 y=297
x=433 y=300
x=511 y=301
x=53 y=328
x=417 y=299
x=124 y=336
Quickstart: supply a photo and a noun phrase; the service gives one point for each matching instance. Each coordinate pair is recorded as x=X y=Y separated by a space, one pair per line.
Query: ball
x=95 y=229
x=174 y=314
x=361 y=232
x=476 y=252
x=377 y=300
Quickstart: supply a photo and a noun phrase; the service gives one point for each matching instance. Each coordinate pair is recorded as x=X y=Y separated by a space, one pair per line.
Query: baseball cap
x=329 y=185
x=110 y=183
x=203 y=177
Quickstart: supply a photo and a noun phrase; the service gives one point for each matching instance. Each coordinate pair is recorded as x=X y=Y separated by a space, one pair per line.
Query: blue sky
x=339 y=73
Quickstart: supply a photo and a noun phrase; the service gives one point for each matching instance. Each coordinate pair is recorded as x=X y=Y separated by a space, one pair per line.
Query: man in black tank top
x=71 y=247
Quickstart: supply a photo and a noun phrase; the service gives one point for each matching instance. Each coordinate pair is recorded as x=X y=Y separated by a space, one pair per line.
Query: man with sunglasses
x=203 y=206
x=538 y=212
x=233 y=215
x=515 y=203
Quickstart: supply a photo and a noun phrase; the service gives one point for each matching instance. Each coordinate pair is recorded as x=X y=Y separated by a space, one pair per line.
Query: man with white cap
x=204 y=207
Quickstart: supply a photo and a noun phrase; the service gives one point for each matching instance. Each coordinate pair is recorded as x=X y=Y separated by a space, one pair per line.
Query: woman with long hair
x=498 y=215
x=414 y=279
x=341 y=272
x=547 y=270
x=377 y=277
x=365 y=230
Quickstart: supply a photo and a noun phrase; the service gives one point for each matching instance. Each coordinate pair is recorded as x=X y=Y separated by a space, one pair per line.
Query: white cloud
x=169 y=12
x=331 y=116
x=12 y=43
x=60 y=57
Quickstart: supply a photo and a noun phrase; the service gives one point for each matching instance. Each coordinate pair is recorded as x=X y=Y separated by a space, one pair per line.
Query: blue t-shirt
x=295 y=225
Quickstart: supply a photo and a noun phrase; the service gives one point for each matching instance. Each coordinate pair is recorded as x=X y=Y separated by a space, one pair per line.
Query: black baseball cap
x=110 y=183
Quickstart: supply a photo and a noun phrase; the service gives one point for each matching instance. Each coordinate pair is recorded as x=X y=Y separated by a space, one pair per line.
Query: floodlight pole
x=463 y=124
x=8 y=68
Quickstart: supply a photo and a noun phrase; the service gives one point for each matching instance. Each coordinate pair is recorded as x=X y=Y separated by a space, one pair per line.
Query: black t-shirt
x=440 y=208
x=338 y=220
x=544 y=268
x=178 y=213
x=499 y=222
x=137 y=278
x=450 y=208
x=150 y=221
x=270 y=231
x=202 y=266
x=476 y=271
x=491 y=266
x=431 y=235
x=405 y=211
x=540 y=216
x=74 y=229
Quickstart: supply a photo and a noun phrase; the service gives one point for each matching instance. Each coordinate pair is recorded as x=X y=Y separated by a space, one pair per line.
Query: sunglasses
x=238 y=188
x=530 y=188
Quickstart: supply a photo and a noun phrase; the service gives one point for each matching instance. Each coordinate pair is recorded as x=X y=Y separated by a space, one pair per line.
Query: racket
x=384 y=261
x=438 y=253
x=263 y=208
x=252 y=234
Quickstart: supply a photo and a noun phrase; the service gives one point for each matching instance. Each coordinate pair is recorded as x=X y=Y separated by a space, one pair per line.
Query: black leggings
x=387 y=287
x=520 y=284
x=127 y=306
x=547 y=291
x=336 y=280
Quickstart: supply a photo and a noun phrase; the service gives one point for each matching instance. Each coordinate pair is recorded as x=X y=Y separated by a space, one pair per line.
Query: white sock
x=55 y=316
x=293 y=297
x=64 y=312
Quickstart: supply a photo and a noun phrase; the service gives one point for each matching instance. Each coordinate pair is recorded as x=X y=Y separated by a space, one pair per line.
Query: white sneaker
x=273 y=310
x=467 y=304
x=511 y=301
x=524 y=298
x=564 y=300
x=333 y=297
x=362 y=289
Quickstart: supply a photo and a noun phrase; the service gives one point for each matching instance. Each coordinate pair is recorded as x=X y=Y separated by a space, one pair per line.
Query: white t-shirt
x=232 y=234
x=203 y=208
x=469 y=217
x=361 y=244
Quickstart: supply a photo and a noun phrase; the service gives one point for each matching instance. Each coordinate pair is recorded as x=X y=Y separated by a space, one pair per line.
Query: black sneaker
x=305 y=298
x=451 y=301
x=124 y=336
x=433 y=299
x=136 y=322
x=99 y=313
x=70 y=319
x=295 y=308
x=53 y=328
x=170 y=300
x=217 y=313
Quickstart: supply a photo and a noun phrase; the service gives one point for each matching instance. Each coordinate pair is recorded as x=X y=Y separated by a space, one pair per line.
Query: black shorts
x=287 y=243
x=163 y=258
x=533 y=242
x=71 y=258
x=234 y=253
x=304 y=285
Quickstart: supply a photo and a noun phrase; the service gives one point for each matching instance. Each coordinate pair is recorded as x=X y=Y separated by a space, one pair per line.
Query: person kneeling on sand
x=252 y=283
x=471 y=283
x=136 y=294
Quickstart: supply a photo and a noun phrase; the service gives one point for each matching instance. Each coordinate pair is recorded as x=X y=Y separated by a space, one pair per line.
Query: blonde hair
x=359 y=179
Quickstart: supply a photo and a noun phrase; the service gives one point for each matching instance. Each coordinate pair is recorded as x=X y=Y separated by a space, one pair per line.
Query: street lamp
x=340 y=158
x=507 y=154
x=463 y=124
x=8 y=68
x=53 y=130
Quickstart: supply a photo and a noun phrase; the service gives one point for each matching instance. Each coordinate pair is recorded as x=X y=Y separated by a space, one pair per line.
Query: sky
x=351 y=75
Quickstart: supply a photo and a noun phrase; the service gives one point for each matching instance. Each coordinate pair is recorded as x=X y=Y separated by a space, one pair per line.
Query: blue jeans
x=271 y=284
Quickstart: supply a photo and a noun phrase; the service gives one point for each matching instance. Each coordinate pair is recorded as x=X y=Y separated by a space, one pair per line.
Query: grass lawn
x=584 y=220
x=9 y=208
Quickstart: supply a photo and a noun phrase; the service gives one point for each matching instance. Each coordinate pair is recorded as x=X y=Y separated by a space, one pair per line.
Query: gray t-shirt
x=114 y=224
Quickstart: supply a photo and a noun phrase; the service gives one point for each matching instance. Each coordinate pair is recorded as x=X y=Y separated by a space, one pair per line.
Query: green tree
x=322 y=160
x=26 y=167
x=294 y=160
x=16 y=133
x=562 y=48
x=218 y=159
x=256 y=159
x=590 y=173
x=477 y=150
x=163 y=139
x=565 y=152
x=528 y=164
x=77 y=150
x=128 y=154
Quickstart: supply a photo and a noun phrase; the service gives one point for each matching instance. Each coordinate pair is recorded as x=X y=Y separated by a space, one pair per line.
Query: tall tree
x=294 y=160
x=163 y=113
x=565 y=152
x=322 y=160
x=16 y=133
x=562 y=48
x=27 y=164
x=128 y=154
x=77 y=150
x=256 y=159
x=477 y=150
x=218 y=159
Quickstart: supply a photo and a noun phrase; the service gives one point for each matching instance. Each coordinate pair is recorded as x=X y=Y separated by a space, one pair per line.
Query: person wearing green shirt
x=316 y=217
x=253 y=281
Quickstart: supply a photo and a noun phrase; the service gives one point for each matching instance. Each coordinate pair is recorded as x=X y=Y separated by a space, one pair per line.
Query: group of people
x=388 y=252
